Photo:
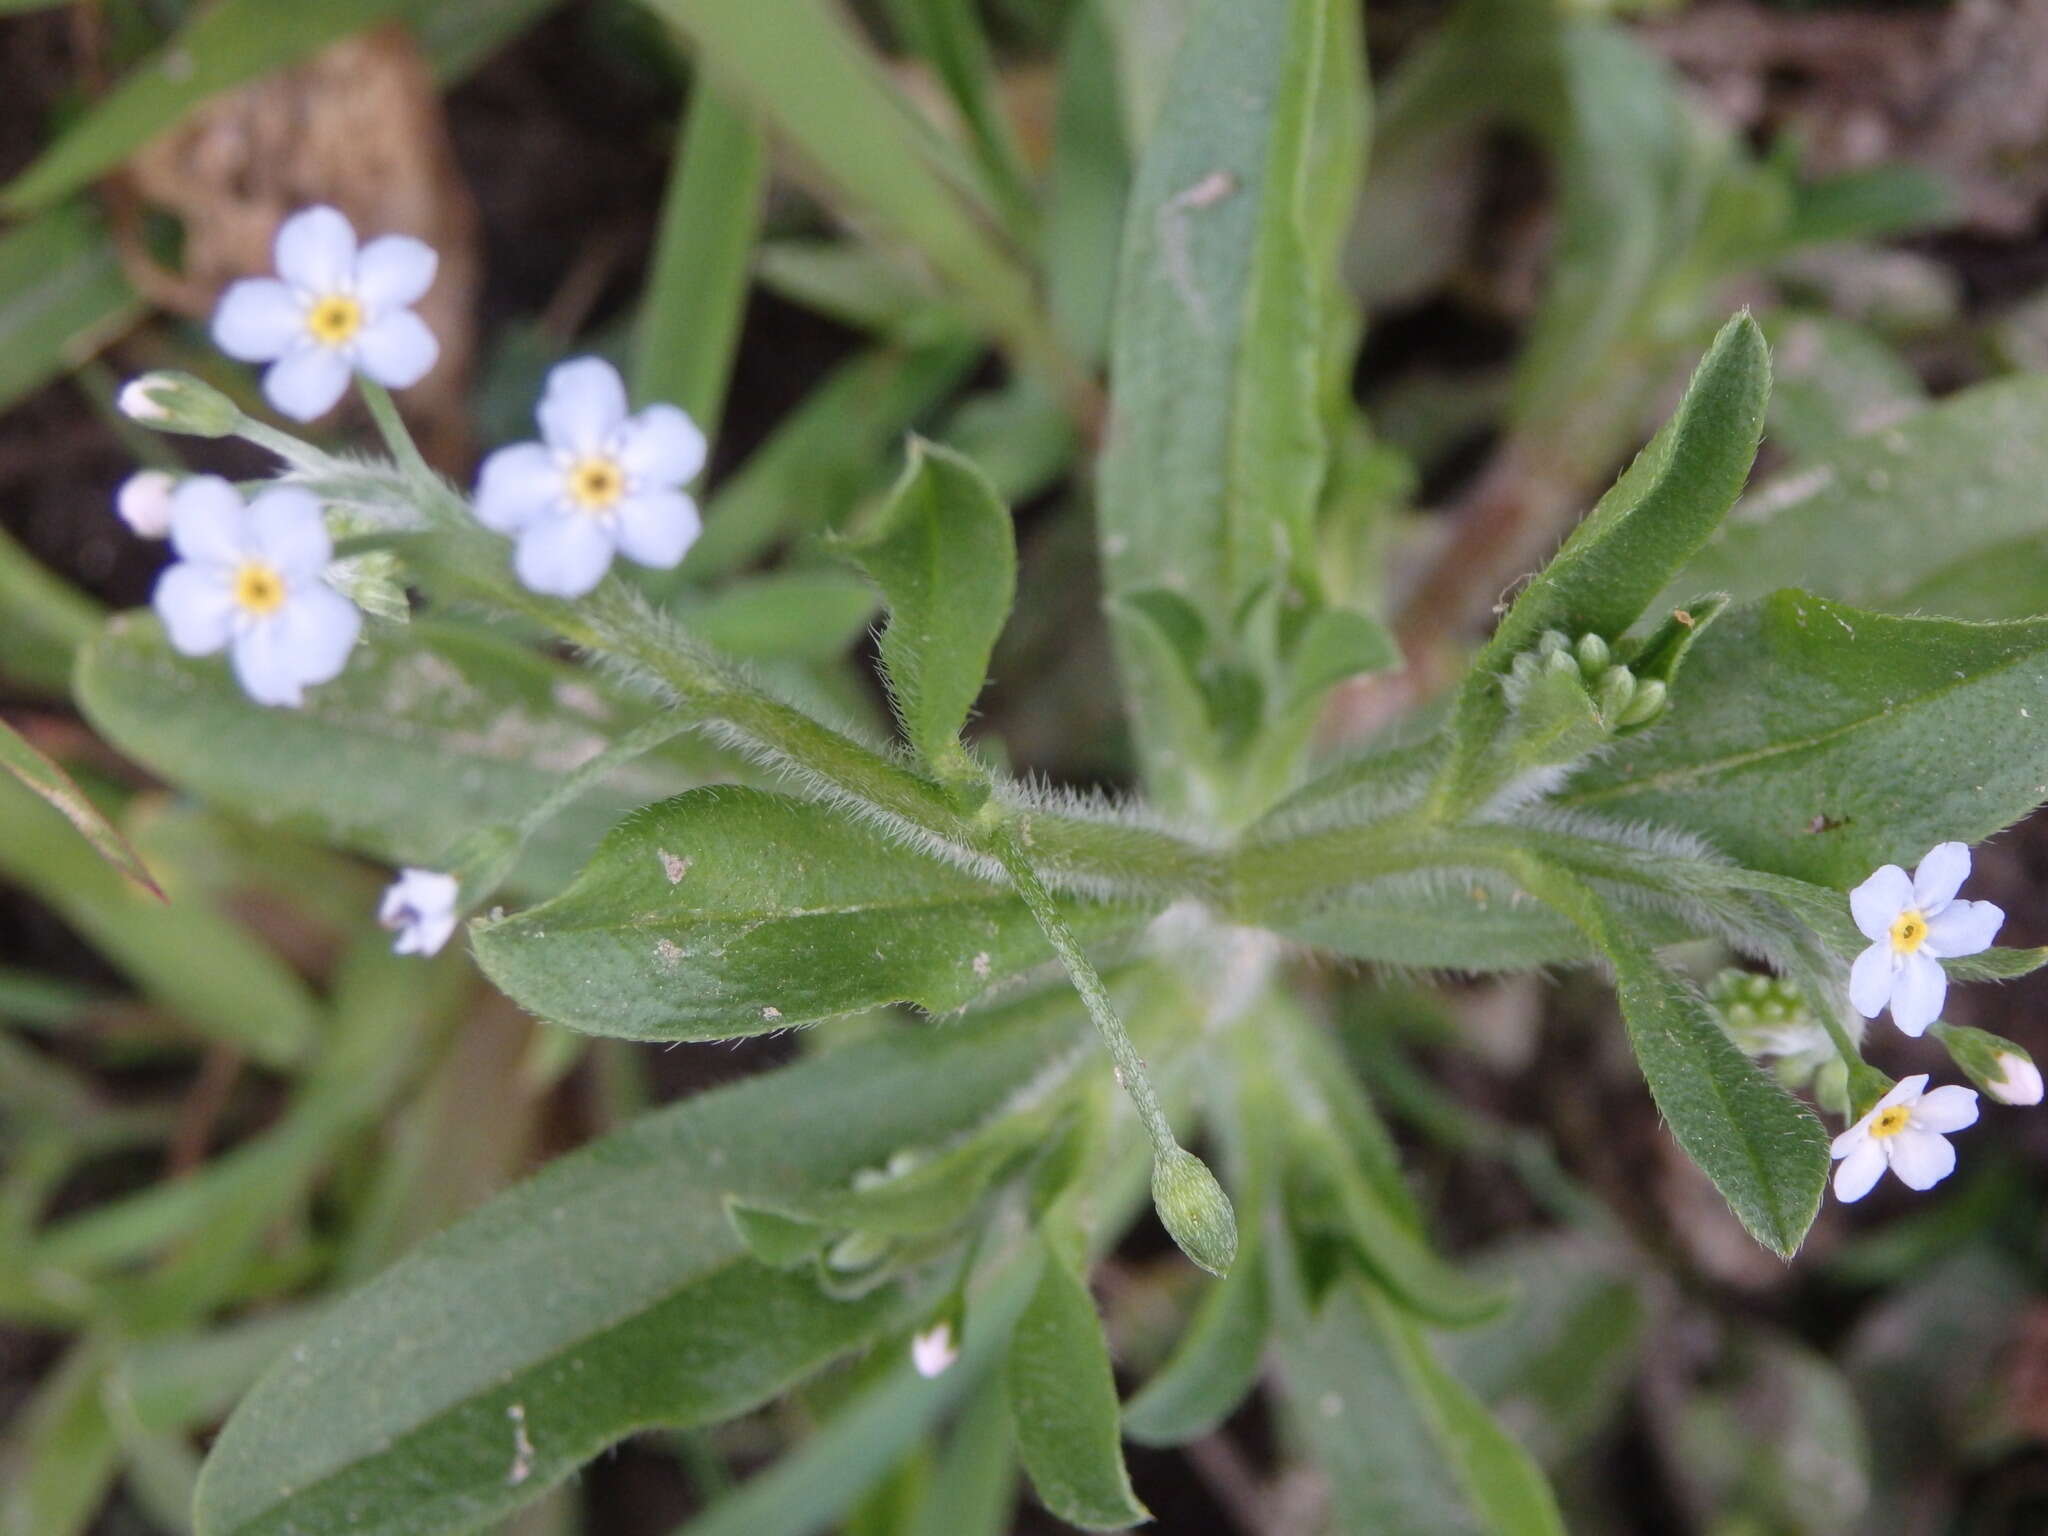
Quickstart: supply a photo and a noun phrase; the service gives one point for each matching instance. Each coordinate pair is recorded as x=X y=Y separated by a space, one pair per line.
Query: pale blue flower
x=251 y=580
x=1913 y=925
x=1905 y=1131
x=600 y=482
x=419 y=906
x=331 y=309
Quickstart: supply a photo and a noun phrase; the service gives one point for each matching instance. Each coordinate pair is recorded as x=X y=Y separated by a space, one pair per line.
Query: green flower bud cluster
x=1625 y=701
x=1770 y=1018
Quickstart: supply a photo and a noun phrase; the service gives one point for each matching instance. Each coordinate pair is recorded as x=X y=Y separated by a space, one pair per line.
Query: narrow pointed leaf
x=677 y=1325
x=945 y=557
x=1063 y=1400
x=53 y=784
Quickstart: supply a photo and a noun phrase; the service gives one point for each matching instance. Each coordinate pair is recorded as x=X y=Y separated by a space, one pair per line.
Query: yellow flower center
x=259 y=588
x=596 y=483
x=1909 y=932
x=1890 y=1122
x=334 y=319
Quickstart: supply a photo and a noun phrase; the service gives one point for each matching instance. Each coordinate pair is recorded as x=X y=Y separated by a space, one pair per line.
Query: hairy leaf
x=507 y=1311
x=1063 y=1400
x=431 y=731
x=945 y=557
x=728 y=912
x=1893 y=518
x=1820 y=741
x=1213 y=468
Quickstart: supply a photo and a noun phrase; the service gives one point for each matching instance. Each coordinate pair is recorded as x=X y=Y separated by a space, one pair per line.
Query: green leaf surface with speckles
x=728 y=912
x=1820 y=741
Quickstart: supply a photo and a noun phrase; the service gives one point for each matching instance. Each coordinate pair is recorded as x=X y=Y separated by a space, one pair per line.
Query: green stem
x=300 y=455
x=391 y=427
x=1130 y=1066
x=642 y=739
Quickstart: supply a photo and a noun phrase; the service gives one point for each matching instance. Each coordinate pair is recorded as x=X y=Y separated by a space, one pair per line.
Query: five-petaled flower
x=250 y=579
x=419 y=906
x=1904 y=1131
x=1913 y=925
x=331 y=309
x=600 y=482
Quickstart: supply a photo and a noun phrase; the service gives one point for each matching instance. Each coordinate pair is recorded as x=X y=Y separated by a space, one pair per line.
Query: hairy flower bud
x=2004 y=1071
x=177 y=402
x=1195 y=1210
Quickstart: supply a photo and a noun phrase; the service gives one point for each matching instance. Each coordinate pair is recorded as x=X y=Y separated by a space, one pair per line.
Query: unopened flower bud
x=144 y=502
x=1194 y=1210
x=177 y=402
x=1993 y=1063
x=1616 y=693
x=1593 y=656
x=934 y=1350
x=1647 y=704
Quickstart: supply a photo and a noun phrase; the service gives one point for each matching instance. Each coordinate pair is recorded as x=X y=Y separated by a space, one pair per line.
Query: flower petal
x=307 y=381
x=306 y=641
x=1859 y=1172
x=1920 y=1158
x=316 y=251
x=1918 y=991
x=286 y=529
x=661 y=446
x=563 y=556
x=1906 y=1090
x=394 y=272
x=258 y=320
x=1940 y=875
x=1850 y=1139
x=1879 y=900
x=1963 y=928
x=209 y=522
x=517 y=485
x=657 y=528
x=321 y=627
x=583 y=404
x=197 y=608
x=1870 y=980
x=398 y=350
x=1950 y=1107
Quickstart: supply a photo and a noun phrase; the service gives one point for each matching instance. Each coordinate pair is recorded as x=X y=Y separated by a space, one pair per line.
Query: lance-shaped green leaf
x=221 y=47
x=1063 y=1401
x=1501 y=1480
x=46 y=779
x=1820 y=741
x=1897 y=518
x=1341 y=1389
x=806 y=68
x=945 y=557
x=1216 y=1364
x=505 y=1357
x=1764 y=1150
x=728 y=912
x=187 y=956
x=62 y=295
x=1662 y=509
x=1217 y=453
x=429 y=732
